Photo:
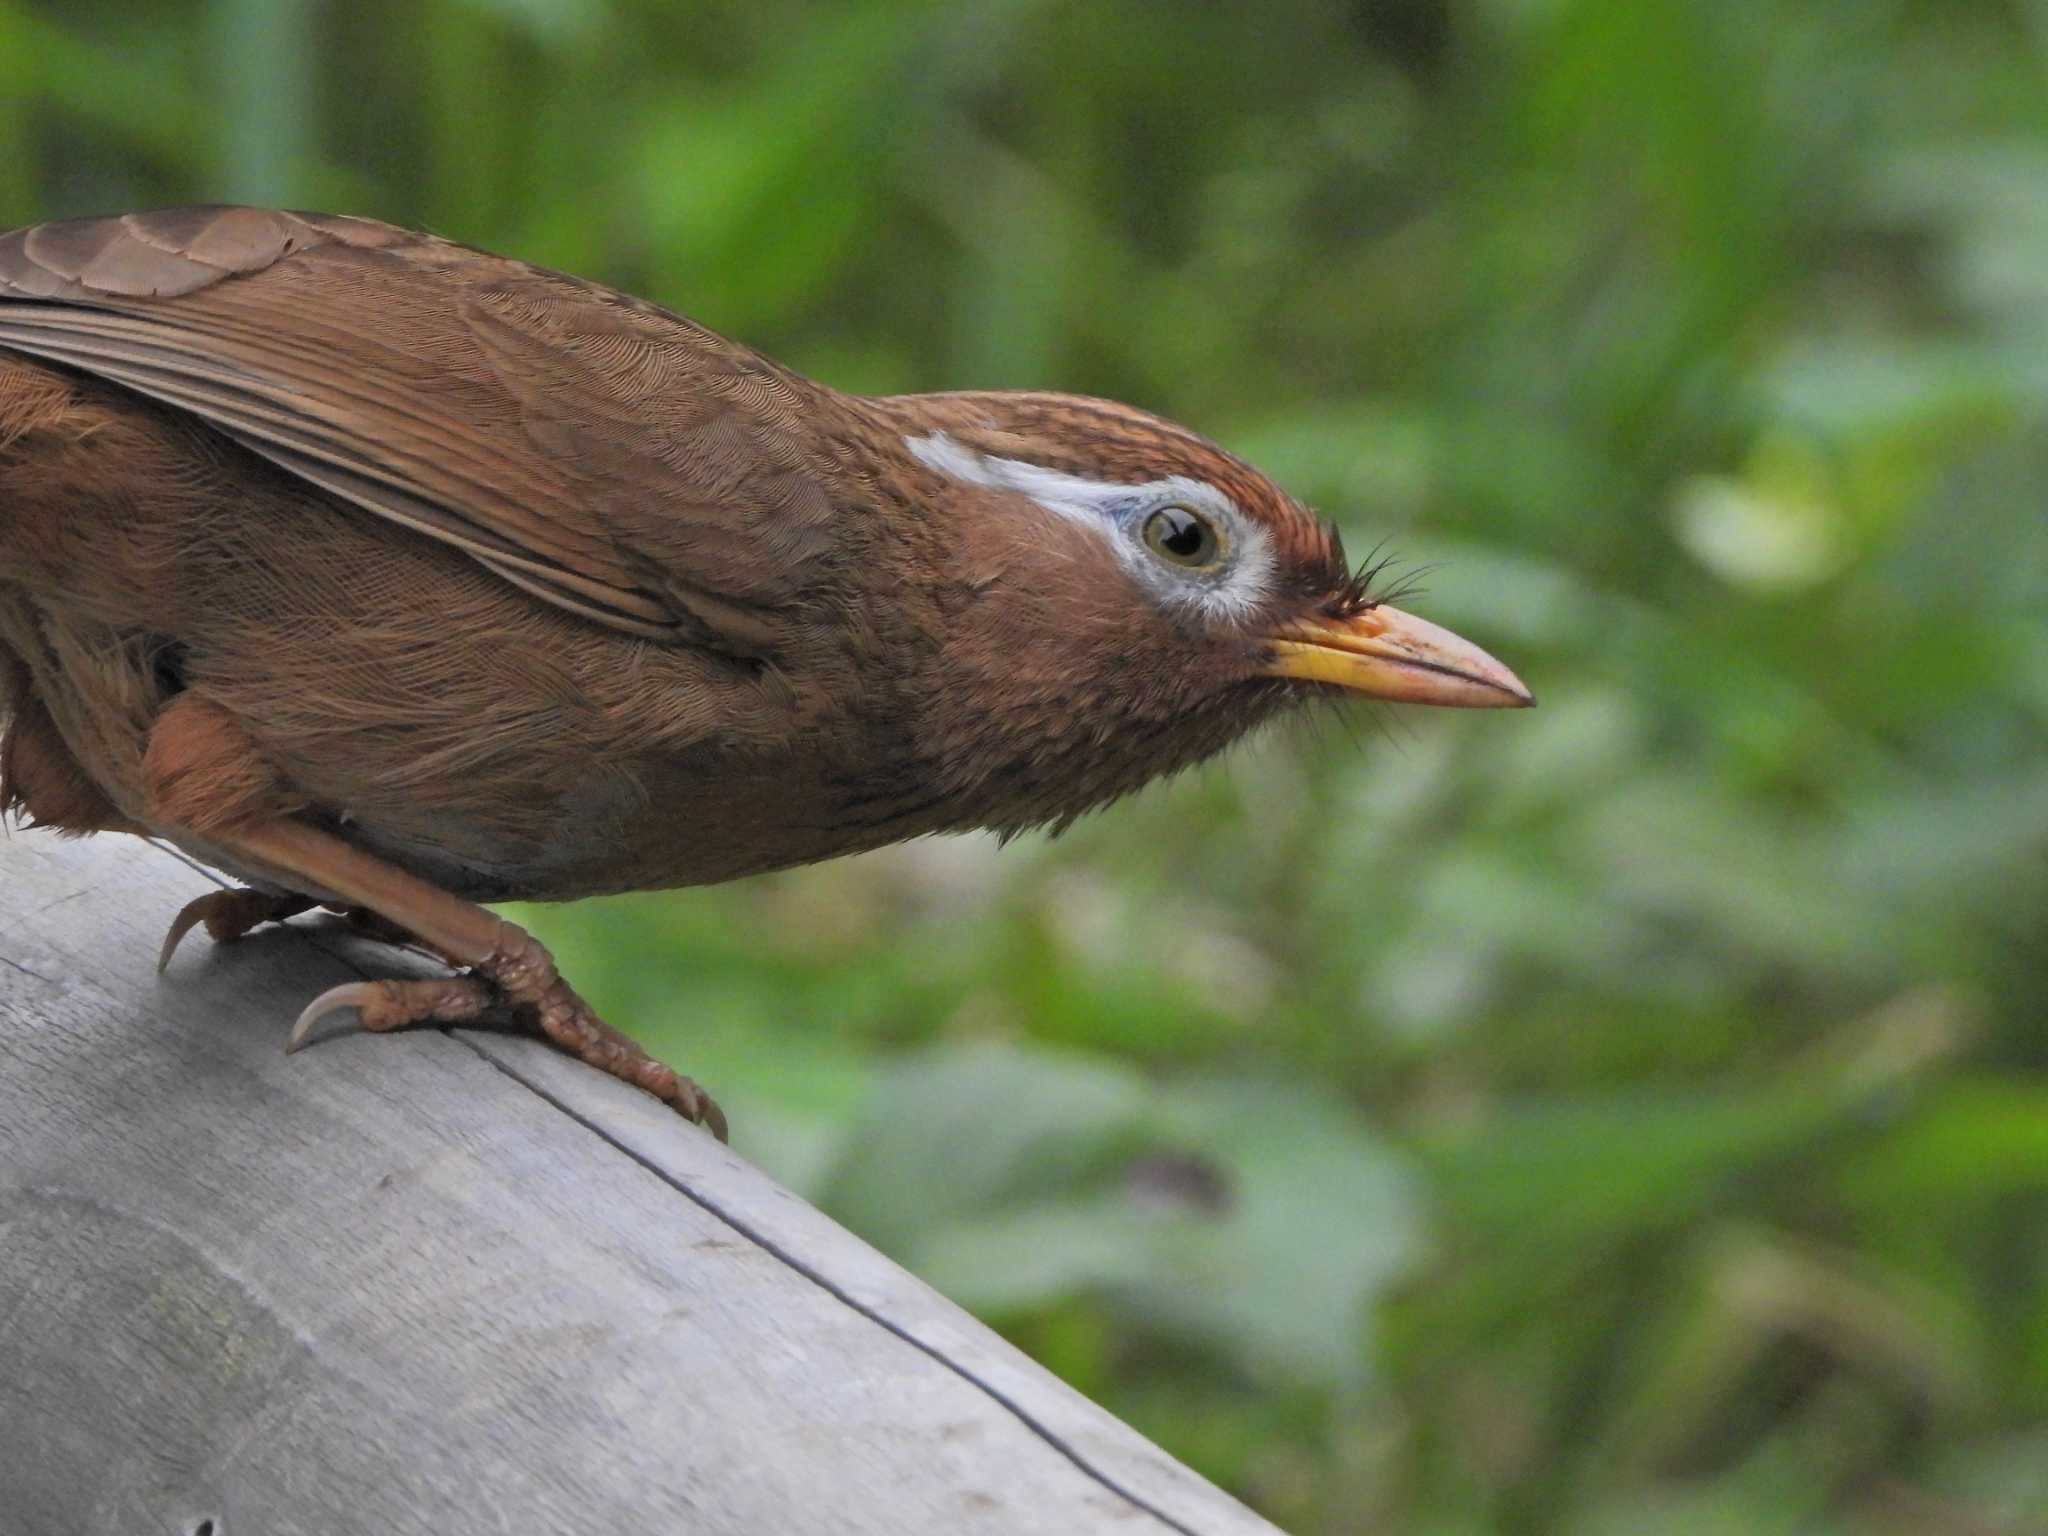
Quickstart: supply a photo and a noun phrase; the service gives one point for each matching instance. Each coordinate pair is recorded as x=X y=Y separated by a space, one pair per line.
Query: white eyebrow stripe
x=1073 y=496
x=938 y=450
x=1236 y=596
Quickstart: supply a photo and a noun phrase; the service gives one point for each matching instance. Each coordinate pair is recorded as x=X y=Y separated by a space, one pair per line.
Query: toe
x=383 y=1006
x=228 y=915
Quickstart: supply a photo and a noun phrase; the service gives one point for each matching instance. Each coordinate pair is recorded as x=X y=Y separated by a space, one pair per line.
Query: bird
x=391 y=575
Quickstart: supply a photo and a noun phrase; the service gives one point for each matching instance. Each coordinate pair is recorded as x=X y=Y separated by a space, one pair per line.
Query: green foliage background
x=1626 y=1117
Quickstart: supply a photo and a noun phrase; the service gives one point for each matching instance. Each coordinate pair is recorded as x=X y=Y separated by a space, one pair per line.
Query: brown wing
x=600 y=452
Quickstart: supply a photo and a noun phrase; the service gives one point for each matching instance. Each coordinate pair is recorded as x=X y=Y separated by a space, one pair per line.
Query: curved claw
x=228 y=916
x=190 y=916
x=711 y=1117
x=333 y=1000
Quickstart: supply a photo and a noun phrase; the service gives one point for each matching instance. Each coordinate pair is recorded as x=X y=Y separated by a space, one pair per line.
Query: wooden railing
x=450 y=1282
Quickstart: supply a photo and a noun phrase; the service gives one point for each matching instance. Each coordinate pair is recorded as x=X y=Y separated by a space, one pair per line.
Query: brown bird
x=393 y=575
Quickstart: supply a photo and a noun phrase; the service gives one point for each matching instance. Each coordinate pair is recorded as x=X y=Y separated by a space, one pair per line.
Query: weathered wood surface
x=449 y=1283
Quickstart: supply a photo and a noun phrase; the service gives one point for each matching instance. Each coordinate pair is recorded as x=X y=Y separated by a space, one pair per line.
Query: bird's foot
x=518 y=977
x=383 y=1006
x=507 y=967
x=228 y=915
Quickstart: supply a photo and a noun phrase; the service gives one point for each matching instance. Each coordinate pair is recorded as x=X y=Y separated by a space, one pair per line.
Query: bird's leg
x=508 y=965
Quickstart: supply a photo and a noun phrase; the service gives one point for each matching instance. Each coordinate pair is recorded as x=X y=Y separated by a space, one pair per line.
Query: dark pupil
x=1182 y=536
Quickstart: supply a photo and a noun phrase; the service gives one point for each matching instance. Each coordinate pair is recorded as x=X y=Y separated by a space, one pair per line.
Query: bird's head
x=1129 y=598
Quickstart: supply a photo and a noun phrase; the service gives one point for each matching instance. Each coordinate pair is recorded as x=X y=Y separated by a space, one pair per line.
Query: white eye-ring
x=1181 y=538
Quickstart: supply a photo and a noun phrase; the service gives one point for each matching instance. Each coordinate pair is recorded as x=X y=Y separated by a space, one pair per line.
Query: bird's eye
x=1183 y=537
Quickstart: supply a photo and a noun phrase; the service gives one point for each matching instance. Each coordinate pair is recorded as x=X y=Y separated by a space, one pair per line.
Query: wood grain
x=449 y=1283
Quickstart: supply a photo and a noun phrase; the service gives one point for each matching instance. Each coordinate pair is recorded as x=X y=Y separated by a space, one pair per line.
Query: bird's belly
x=700 y=828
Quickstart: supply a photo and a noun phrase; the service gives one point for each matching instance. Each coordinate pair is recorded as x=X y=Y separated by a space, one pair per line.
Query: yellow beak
x=1384 y=653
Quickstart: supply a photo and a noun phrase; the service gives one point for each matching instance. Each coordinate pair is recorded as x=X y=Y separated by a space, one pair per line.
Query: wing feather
x=603 y=454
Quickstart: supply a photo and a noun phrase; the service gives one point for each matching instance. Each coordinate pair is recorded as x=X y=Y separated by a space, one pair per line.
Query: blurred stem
x=264 y=56
x=469 y=82
x=17 y=178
